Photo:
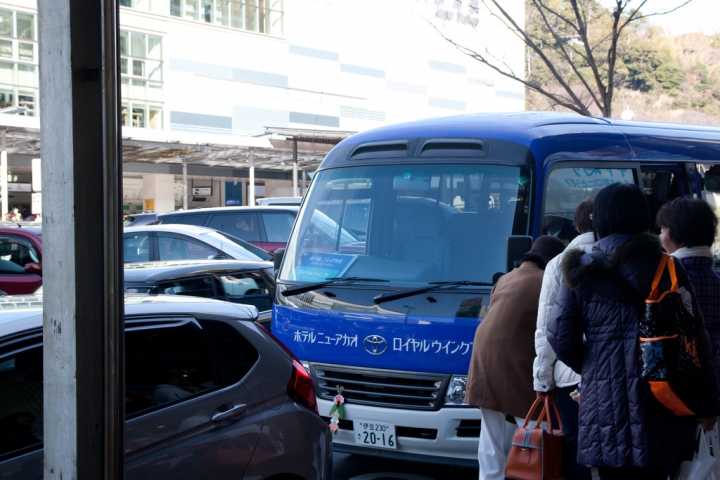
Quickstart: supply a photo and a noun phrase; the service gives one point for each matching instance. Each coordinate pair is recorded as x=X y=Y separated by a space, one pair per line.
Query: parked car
x=208 y=394
x=20 y=261
x=267 y=227
x=184 y=242
x=238 y=281
x=140 y=219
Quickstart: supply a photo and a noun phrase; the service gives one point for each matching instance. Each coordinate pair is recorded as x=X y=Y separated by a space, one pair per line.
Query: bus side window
x=709 y=180
x=566 y=187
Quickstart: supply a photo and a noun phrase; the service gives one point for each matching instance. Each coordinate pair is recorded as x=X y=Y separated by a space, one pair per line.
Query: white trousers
x=493 y=447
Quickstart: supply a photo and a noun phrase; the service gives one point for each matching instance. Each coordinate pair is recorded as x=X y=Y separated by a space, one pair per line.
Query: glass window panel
x=155 y=117
x=25 y=26
x=154 y=91
x=6 y=49
x=124 y=87
x=126 y=3
x=154 y=70
x=191 y=9
x=27 y=99
x=176 y=8
x=274 y=23
x=6 y=98
x=26 y=75
x=138 y=89
x=137 y=247
x=250 y=15
x=710 y=191
x=124 y=66
x=6 y=73
x=243 y=226
x=138 y=117
x=138 y=68
x=6 y=23
x=154 y=47
x=236 y=14
x=26 y=51
x=138 y=45
x=207 y=11
x=222 y=15
x=125 y=118
x=124 y=43
x=165 y=364
x=21 y=383
x=159 y=6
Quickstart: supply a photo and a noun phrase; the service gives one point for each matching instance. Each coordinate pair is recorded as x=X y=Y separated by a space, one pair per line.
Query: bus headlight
x=455 y=395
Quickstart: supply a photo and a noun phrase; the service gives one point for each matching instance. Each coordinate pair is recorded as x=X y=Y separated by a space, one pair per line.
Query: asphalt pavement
x=359 y=467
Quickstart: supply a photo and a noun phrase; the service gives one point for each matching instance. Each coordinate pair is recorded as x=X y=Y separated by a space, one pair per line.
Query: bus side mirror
x=277 y=259
x=517 y=246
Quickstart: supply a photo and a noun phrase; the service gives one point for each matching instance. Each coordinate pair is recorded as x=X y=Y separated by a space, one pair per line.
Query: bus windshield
x=408 y=224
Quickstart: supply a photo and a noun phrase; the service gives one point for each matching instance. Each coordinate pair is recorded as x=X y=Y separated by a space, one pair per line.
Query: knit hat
x=547 y=247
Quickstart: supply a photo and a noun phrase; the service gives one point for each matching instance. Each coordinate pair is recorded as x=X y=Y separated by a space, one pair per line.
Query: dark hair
x=654 y=204
x=620 y=208
x=582 y=220
x=691 y=222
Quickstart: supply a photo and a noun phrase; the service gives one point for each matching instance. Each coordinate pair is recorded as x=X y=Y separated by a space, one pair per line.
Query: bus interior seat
x=419 y=238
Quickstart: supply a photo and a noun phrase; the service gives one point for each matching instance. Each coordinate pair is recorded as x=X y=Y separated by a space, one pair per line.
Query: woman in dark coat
x=624 y=431
x=688 y=227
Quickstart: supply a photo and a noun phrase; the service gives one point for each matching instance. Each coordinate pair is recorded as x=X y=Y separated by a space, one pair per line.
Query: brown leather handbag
x=536 y=452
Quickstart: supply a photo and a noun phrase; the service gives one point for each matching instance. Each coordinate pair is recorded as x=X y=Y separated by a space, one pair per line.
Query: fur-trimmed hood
x=623 y=251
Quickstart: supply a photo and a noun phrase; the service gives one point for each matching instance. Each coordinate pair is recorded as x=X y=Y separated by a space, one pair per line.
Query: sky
x=698 y=15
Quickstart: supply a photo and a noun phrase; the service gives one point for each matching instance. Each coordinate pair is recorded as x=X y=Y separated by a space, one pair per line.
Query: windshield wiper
x=387 y=297
x=314 y=286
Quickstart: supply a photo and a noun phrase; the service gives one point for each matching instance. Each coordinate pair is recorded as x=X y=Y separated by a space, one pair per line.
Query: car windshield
x=259 y=252
x=409 y=224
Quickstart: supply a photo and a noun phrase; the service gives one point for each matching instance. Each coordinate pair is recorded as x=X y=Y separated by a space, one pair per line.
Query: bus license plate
x=374 y=434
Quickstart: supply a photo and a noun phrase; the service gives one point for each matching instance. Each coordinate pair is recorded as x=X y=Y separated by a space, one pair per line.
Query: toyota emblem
x=375 y=344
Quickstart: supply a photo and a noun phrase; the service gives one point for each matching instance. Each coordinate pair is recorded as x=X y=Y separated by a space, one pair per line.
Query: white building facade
x=218 y=69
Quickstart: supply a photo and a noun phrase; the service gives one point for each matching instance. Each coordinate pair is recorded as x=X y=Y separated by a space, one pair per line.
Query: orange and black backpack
x=668 y=337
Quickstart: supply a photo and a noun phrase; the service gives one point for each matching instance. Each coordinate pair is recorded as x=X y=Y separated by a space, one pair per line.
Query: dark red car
x=20 y=261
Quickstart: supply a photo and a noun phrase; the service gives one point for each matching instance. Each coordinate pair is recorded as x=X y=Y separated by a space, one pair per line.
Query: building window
x=141 y=80
x=264 y=16
x=18 y=62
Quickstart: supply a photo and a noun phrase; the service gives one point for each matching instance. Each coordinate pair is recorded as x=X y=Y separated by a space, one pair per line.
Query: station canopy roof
x=271 y=149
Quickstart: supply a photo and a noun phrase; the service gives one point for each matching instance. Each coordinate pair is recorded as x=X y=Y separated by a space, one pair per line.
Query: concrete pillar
x=304 y=182
x=158 y=192
x=83 y=327
x=295 y=169
x=185 y=189
x=251 y=181
x=4 y=173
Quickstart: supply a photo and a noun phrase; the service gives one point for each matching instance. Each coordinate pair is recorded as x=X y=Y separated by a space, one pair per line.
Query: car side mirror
x=33 y=268
x=219 y=256
x=278 y=258
x=517 y=246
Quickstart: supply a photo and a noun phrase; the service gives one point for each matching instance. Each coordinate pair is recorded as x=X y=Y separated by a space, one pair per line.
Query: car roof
x=247 y=209
x=151 y=272
x=135 y=305
x=21 y=232
x=175 y=228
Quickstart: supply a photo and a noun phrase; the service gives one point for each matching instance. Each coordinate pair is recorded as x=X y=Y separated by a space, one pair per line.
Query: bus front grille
x=382 y=388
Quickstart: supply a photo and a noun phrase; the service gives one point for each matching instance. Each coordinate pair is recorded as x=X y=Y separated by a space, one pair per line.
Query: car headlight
x=455 y=394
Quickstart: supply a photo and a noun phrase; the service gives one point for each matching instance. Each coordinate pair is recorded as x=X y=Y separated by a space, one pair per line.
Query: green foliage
x=670 y=76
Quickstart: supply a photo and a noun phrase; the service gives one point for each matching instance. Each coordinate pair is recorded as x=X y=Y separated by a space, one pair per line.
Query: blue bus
x=403 y=232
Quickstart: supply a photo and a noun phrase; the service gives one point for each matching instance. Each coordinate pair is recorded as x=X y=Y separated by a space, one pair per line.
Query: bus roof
x=525 y=136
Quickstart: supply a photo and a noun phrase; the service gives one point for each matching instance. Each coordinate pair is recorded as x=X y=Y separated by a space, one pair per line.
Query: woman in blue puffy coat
x=624 y=431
